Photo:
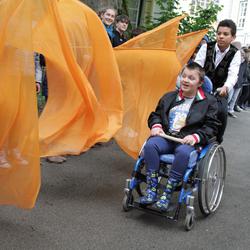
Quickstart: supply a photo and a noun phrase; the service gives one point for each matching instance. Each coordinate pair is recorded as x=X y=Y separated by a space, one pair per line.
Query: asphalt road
x=79 y=206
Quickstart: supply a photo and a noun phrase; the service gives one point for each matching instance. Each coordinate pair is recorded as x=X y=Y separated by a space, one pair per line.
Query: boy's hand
x=223 y=91
x=156 y=131
x=189 y=139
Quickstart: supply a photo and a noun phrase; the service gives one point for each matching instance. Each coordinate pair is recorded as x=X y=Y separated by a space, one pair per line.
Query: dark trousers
x=222 y=116
x=245 y=93
x=156 y=145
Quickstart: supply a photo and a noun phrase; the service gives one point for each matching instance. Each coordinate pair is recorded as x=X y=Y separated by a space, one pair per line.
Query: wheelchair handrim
x=214 y=200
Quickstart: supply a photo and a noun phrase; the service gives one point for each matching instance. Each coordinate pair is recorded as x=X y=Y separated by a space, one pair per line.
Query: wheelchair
x=205 y=175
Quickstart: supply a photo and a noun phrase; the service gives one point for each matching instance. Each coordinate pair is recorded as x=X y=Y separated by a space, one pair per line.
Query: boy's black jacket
x=201 y=119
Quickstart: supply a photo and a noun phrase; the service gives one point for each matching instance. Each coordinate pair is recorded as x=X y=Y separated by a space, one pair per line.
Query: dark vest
x=218 y=75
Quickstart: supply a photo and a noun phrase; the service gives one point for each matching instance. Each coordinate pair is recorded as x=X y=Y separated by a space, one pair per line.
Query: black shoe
x=243 y=107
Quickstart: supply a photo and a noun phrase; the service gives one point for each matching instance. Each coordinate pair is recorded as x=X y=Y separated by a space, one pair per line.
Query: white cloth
x=233 y=69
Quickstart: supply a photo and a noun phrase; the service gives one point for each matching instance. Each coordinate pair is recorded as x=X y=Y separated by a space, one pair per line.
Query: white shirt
x=233 y=69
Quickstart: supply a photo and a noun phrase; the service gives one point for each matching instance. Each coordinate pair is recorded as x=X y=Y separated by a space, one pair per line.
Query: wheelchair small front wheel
x=127 y=201
x=189 y=221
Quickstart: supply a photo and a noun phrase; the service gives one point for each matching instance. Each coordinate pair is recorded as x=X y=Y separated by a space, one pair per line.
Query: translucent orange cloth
x=20 y=178
x=85 y=103
x=149 y=65
x=85 y=94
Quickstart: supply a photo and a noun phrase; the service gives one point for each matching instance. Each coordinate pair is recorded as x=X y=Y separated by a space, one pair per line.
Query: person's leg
x=248 y=98
x=180 y=164
x=45 y=85
x=154 y=147
x=230 y=95
x=222 y=116
x=244 y=96
x=232 y=102
x=236 y=106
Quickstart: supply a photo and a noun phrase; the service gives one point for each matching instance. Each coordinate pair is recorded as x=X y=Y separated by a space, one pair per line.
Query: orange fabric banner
x=186 y=44
x=85 y=96
x=149 y=65
x=85 y=103
x=19 y=149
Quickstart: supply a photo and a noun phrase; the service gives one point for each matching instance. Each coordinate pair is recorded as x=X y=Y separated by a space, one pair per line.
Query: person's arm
x=155 y=120
x=232 y=72
x=201 y=55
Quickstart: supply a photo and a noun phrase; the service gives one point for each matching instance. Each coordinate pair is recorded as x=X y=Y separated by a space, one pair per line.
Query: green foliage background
x=200 y=19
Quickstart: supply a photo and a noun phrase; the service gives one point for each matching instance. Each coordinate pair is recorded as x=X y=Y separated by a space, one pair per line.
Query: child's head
x=192 y=77
x=225 y=34
x=121 y=23
x=108 y=16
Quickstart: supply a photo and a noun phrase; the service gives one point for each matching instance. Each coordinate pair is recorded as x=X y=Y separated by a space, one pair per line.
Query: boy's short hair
x=196 y=66
x=228 y=23
x=102 y=11
x=122 y=18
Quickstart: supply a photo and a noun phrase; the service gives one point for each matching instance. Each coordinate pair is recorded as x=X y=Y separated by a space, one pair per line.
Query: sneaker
x=56 y=159
x=238 y=109
x=3 y=161
x=243 y=107
x=231 y=114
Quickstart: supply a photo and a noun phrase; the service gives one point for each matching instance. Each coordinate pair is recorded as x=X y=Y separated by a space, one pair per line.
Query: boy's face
x=122 y=26
x=108 y=17
x=224 y=37
x=190 y=82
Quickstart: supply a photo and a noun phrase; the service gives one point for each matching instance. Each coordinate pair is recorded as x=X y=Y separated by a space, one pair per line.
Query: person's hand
x=38 y=87
x=156 y=131
x=223 y=91
x=189 y=139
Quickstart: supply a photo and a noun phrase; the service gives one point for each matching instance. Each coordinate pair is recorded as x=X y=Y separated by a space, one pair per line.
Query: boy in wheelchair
x=187 y=113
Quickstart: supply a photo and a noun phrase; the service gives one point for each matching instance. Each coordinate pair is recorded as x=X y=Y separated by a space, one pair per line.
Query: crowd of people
x=117 y=26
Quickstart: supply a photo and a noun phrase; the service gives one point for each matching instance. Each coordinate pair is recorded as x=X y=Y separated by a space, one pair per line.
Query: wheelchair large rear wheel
x=212 y=173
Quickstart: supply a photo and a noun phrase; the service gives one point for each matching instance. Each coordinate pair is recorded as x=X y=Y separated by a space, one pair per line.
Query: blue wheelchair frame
x=186 y=195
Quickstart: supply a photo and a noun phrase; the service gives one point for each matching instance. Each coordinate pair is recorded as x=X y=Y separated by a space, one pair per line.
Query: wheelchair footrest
x=152 y=210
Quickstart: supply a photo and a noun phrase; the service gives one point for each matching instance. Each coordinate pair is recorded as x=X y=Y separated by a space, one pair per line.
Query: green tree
x=202 y=18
